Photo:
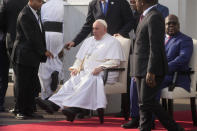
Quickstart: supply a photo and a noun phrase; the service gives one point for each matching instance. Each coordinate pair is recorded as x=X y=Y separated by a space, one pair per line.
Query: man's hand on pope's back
x=150 y=80
x=69 y=45
x=49 y=54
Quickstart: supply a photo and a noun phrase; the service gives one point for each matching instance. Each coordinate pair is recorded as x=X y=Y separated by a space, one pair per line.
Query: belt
x=52 y=26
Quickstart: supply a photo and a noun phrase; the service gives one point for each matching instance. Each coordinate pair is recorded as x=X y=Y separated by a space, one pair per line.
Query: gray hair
x=103 y=22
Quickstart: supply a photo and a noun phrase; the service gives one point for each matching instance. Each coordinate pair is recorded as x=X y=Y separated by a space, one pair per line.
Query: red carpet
x=92 y=124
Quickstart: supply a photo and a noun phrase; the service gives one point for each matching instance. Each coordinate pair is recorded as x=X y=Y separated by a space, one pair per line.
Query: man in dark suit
x=118 y=15
x=9 y=11
x=29 y=50
x=150 y=65
x=134 y=108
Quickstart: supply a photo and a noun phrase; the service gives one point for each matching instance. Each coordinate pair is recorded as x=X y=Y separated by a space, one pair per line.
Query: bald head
x=99 y=29
x=172 y=25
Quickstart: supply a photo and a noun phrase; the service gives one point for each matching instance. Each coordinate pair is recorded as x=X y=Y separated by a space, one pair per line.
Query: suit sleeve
x=156 y=31
x=185 y=53
x=127 y=17
x=32 y=35
x=87 y=27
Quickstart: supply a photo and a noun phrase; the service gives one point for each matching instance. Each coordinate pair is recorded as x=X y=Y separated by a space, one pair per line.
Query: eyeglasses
x=172 y=22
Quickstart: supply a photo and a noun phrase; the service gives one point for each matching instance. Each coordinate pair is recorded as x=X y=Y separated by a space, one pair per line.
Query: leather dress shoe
x=45 y=105
x=134 y=123
x=84 y=112
x=70 y=115
x=21 y=116
x=13 y=111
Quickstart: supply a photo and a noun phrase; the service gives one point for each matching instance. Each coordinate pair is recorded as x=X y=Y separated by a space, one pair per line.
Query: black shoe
x=45 y=105
x=134 y=123
x=35 y=116
x=13 y=111
x=84 y=112
x=70 y=115
x=21 y=116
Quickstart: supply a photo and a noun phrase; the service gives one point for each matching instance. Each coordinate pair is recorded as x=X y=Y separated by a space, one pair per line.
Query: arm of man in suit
x=127 y=17
x=85 y=31
x=31 y=34
x=185 y=53
x=156 y=31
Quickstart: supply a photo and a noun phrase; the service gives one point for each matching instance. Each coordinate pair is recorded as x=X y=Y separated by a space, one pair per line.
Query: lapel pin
x=112 y=3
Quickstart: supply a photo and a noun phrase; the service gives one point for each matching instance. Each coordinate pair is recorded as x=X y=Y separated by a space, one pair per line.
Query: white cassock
x=52 y=11
x=86 y=90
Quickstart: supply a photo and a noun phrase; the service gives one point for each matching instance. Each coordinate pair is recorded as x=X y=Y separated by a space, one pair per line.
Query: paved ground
x=8 y=118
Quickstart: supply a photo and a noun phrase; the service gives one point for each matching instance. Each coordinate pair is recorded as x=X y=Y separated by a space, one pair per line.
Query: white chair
x=121 y=85
x=179 y=92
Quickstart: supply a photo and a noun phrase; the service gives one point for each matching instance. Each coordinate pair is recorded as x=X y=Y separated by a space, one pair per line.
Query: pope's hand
x=74 y=72
x=69 y=45
x=97 y=70
x=49 y=54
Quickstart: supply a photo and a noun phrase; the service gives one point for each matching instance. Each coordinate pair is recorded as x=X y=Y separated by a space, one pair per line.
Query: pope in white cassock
x=52 y=15
x=85 y=88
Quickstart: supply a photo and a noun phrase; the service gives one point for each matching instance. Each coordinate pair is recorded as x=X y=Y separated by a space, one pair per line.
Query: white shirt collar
x=147 y=10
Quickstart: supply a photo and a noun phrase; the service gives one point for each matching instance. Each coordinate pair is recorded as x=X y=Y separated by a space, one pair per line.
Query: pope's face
x=98 y=30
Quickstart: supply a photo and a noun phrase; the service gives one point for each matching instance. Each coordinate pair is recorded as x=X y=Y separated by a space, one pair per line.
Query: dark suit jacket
x=119 y=18
x=149 y=52
x=9 y=11
x=30 y=41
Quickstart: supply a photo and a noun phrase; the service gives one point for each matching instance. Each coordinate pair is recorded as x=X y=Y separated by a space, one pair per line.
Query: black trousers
x=4 y=70
x=149 y=105
x=26 y=87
